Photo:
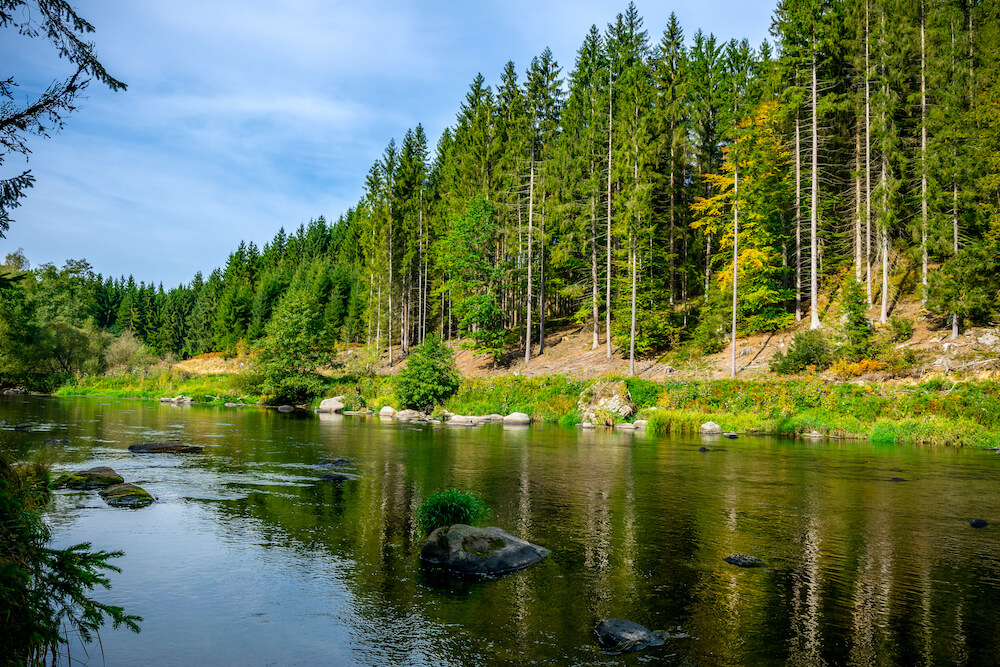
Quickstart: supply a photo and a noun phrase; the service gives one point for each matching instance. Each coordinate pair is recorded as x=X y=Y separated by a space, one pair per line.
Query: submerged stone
x=94 y=478
x=127 y=495
x=334 y=462
x=896 y=479
x=335 y=477
x=55 y=441
x=623 y=636
x=743 y=560
x=703 y=448
x=164 y=448
x=485 y=552
x=978 y=523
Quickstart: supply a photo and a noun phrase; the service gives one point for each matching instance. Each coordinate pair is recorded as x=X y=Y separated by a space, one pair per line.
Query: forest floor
x=569 y=352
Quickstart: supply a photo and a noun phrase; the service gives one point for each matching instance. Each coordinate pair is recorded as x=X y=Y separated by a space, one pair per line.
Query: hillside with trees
x=664 y=191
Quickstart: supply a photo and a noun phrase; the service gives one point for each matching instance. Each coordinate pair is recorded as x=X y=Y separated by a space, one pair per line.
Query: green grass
x=933 y=413
x=204 y=389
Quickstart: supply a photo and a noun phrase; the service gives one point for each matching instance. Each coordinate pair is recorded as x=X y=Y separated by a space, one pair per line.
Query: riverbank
x=936 y=412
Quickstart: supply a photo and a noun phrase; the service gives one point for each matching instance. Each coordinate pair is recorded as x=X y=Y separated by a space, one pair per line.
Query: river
x=247 y=558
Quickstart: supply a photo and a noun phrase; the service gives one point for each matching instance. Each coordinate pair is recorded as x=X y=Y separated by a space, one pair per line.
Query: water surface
x=248 y=559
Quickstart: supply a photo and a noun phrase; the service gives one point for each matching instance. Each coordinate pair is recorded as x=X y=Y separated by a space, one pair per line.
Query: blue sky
x=241 y=118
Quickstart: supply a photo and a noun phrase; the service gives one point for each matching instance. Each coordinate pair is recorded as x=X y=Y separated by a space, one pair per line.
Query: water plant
x=449 y=507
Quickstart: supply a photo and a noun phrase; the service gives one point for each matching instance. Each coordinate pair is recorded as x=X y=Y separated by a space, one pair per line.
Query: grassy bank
x=935 y=412
x=155 y=385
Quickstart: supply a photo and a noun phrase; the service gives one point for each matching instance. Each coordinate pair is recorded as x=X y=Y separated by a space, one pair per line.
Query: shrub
x=809 y=350
x=44 y=591
x=451 y=506
x=857 y=328
x=900 y=329
x=429 y=377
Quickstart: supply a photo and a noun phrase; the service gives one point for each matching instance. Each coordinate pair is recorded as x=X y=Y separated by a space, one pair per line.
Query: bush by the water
x=44 y=591
x=449 y=507
x=808 y=351
x=429 y=377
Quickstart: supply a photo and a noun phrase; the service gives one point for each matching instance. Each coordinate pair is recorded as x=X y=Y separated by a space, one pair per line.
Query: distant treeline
x=862 y=145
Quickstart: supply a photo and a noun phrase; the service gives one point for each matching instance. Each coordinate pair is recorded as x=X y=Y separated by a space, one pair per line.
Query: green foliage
x=644 y=393
x=292 y=351
x=900 y=329
x=429 y=377
x=451 y=506
x=857 y=329
x=809 y=351
x=44 y=592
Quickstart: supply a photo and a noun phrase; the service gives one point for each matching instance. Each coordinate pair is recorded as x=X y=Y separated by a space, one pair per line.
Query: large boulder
x=95 y=478
x=164 y=448
x=603 y=400
x=127 y=495
x=335 y=404
x=516 y=419
x=387 y=411
x=412 y=416
x=484 y=552
x=624 y=636
x=711 y=428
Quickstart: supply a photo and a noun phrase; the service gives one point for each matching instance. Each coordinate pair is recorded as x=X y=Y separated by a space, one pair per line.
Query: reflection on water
x=248 y=559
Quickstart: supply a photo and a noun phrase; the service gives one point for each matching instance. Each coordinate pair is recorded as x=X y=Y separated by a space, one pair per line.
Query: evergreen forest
x=666 y=187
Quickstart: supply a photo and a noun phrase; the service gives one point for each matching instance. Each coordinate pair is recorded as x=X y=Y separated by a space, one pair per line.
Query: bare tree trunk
x=814 y=212
x=531 y=211
x=954 y=230
x=593 y=267
x=868 y=166
x=631 y=342
x=541 y=280
x=736 y=256
x=858 y=262
x=607 y=277
x=884 y=231
x=388 y=328
x=923 y=158
x=673 y=197
x=798 y=220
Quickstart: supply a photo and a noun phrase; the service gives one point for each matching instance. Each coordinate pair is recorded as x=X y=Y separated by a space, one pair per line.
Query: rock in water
x=387 y=411
x=624 y=636
x=704 y=449
x=286 y=408
x=896 y=479
x=730 y=435
x=164 y=448
x=127 y=495
x=55 y=441
x=95 y=478
x=516 y=419
x=485 y=552
x=335 y=404
x=710 y=428
x=334 y=462
x=409 y=416
x=978 y=523
x=743 y=560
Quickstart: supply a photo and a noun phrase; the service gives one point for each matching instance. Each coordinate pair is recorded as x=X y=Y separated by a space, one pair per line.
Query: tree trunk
x=814 y=212
x=736 y=256
x=868 y=167
x=531 y=211
x=541 y=280
x=631 y=338
x=607 y=277
x=593 y=266
x=923 y=158
x=798 y=220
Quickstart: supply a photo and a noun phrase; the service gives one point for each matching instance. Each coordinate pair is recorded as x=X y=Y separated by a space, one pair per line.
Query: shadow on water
x=252 y=558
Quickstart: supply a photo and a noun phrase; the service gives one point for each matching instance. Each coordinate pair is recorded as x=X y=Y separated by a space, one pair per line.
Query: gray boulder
x=387 y=411
x=411 y=416
x=55 y=441
x=484 y=552
x=335 y=404
x=711 y=428
x=286 y=408
x=516 y=419
x=164 y=448
x=127 y=495
x=624 y=636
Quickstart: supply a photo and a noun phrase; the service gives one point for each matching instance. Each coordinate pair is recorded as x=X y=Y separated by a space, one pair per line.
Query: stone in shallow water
x=978 y=523
x=127 y=495
x=55 y=441
x=624 y=636
x=94 y=478
x=897 y=479
x=485 y=552
x=164 y=448
x=743 y=560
